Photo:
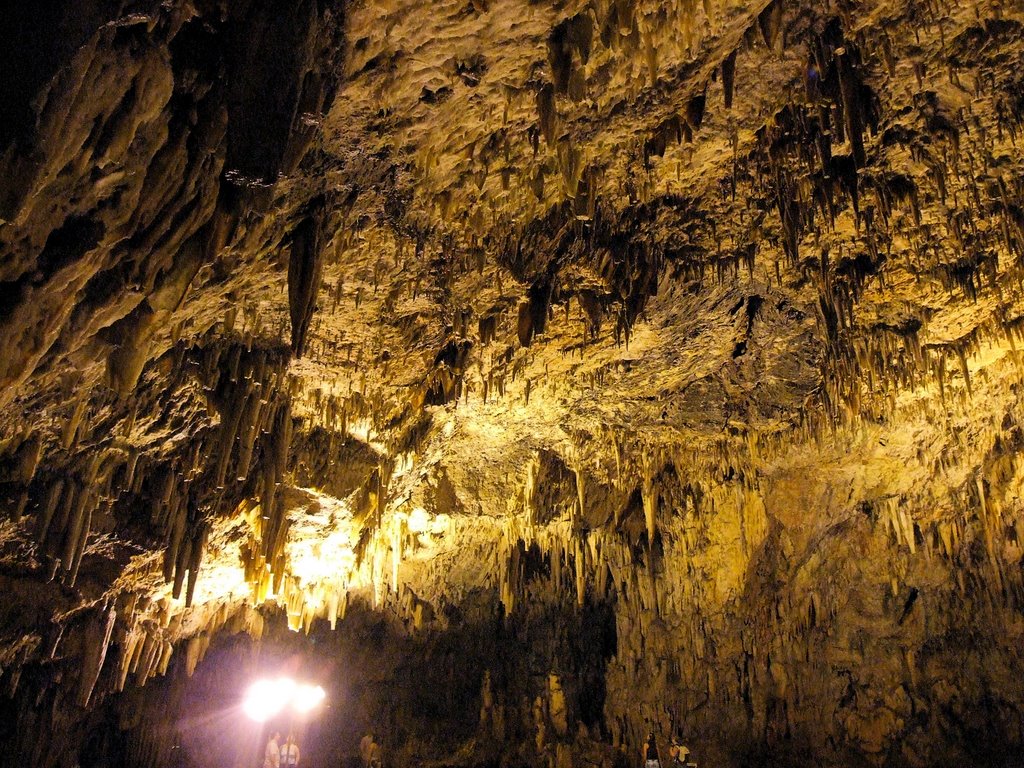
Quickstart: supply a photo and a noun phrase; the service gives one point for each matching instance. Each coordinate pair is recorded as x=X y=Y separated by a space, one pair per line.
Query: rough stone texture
x=566 y=370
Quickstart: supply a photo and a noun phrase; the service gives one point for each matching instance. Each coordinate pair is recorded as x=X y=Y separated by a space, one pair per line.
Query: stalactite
x=547 y=115
x=770 y=22
x=195 y=560
x=695 y=109
x=729 y=78
x=96 y=640
x=304 y=272
x=72 y=425
x=53 y=498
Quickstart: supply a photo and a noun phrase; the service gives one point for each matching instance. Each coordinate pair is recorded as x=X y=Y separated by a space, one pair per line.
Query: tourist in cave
x=678 y=752
x=364 y=749
x=272 y=756
x=650 y=752
x=369 y=751
x=290 y=753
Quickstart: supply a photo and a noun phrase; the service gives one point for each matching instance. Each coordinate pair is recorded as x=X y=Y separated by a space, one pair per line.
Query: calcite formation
x=538 y=374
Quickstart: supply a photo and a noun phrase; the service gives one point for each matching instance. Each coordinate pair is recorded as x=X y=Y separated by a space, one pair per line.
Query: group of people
x=287 y=755
x=279 y=755
x=678 y=754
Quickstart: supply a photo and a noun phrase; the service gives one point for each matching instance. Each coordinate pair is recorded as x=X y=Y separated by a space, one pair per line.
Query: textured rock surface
x=560 y=371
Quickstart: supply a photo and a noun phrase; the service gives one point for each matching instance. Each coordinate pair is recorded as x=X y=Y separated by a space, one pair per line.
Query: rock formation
x=534 y=374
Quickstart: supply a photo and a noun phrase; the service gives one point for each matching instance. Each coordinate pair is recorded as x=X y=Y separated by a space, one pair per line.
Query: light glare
x=307 y=697
x=263 y=700
x=266 y=698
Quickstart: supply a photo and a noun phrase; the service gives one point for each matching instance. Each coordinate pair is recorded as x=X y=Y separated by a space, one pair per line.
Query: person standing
x=369 y=751
x=272 y=755
x=650 y=752
x=290 y=753
x=364 y=749
x=376 y=759
x=679 y=753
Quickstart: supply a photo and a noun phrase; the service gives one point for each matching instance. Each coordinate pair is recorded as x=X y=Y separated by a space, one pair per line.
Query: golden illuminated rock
x=555 y=372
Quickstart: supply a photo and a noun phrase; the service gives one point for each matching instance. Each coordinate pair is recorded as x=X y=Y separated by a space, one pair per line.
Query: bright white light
x=263 y=700
x=285 y=689
x=307 y=697
x=267 y=698
x=419 y=520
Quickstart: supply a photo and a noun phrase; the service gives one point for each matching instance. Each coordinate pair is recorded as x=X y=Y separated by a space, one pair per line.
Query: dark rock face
x=559 y=372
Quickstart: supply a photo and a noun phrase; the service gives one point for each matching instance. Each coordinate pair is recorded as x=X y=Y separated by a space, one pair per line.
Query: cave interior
x=530 y=375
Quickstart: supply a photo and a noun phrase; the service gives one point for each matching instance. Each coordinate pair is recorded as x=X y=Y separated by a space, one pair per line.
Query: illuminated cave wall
x=476 y=693
x=662 y=360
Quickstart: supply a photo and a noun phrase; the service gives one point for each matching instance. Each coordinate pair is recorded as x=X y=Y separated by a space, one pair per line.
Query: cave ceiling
x=715 y=304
